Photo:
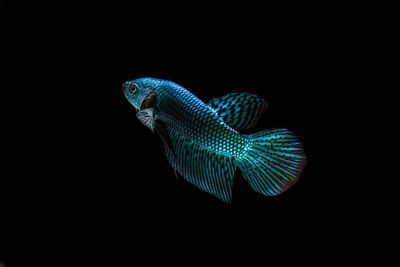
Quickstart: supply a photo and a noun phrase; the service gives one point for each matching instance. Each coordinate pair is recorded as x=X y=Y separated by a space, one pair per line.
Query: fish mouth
x=148 y=101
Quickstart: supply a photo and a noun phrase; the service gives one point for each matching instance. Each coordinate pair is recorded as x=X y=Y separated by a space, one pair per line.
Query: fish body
x=203 y=144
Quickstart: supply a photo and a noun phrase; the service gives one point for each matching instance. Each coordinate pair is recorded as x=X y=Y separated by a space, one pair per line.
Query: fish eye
x=132 y=88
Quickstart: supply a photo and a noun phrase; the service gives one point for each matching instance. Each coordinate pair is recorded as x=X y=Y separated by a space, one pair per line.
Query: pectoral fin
x=146 y=116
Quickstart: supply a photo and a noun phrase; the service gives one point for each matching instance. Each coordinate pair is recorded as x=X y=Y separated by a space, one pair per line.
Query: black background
x=89 y=185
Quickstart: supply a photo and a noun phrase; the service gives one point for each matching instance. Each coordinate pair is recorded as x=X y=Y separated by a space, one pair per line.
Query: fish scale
x=203 y=144
x=197 y=121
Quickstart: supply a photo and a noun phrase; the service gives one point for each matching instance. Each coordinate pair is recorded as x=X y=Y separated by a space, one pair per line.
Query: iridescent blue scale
x=192 y=117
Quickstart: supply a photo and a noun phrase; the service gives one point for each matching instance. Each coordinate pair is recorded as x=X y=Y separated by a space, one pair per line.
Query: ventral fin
x=239 y=110
x=205 y=169
x=163 y=132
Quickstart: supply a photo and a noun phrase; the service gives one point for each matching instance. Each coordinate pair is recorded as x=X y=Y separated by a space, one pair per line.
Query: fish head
x=140 y=93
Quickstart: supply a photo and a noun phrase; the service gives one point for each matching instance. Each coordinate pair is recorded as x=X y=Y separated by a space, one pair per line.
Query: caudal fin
x=274 y=162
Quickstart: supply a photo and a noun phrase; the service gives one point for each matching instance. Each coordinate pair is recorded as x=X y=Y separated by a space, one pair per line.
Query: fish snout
x=124 y=84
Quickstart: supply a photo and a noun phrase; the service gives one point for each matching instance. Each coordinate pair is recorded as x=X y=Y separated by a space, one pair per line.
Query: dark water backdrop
x=85 y=183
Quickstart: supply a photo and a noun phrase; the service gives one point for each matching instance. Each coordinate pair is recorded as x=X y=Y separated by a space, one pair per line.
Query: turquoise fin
x=239 y=110
x=203 y=168
x=274 y=162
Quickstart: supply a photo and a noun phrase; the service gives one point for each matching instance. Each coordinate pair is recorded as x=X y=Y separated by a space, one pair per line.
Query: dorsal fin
x=239 y=110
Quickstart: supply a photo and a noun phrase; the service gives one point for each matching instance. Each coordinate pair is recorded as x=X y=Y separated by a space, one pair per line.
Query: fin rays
x=239 y=110
x=274 y=162
x=207 y=170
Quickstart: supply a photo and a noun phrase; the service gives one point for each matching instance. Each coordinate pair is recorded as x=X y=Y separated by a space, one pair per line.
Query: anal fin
x=207 y=170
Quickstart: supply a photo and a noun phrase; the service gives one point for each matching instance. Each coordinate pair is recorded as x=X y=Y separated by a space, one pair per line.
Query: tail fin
x=274 y=162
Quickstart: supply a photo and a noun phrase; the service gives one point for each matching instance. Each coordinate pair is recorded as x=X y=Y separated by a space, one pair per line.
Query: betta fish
x=202 y=142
